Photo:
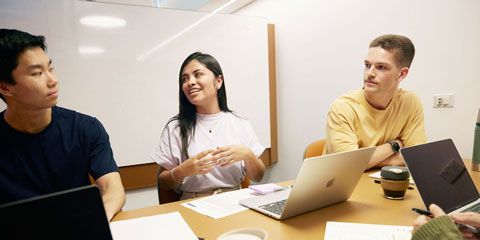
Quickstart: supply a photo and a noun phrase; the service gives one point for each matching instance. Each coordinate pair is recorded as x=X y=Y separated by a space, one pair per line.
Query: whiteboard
x=134 y=96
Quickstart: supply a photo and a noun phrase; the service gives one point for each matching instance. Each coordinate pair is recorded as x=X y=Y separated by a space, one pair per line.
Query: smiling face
x=200 y=86
x=382 y=74
x=35 y=85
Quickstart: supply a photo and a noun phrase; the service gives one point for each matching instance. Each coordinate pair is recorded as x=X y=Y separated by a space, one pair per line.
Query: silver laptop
x=441 y=176
x=321 y=181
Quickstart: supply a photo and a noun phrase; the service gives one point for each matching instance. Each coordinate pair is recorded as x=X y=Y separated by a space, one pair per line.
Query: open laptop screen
x=440 y=174
x=71 y=214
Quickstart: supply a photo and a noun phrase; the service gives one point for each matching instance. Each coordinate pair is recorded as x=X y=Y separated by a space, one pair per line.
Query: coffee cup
x=394 y=181
x=245 y=234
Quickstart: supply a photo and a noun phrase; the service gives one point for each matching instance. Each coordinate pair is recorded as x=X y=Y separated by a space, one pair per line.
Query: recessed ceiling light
x=90 y=50
x=103 y=21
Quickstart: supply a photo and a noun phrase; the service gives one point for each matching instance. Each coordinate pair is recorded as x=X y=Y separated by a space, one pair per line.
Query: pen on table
x=466 y=227
x=423 y=212
x=378 y=181
x=281 y=188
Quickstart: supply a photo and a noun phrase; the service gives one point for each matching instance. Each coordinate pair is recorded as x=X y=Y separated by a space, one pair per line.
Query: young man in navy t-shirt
x=45 y=148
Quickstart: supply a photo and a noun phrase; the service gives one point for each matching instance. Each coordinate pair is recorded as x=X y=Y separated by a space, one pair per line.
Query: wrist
x=251 y=157
x=394 y=145
x=177 y=174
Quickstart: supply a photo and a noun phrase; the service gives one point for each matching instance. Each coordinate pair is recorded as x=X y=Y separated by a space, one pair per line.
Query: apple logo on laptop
x=330 y=182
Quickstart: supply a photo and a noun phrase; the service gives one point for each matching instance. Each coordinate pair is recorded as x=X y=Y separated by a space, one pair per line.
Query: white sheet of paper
x=153 y=227
x=377 y=175
x=220 y=205
x=360 y=231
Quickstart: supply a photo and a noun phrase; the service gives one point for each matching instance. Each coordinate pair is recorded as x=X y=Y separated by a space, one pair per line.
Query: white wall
x=141 y=198
x=320 y=47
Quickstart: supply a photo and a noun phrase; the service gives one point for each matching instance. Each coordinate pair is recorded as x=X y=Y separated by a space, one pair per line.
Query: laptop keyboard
x=275 y=207
x=474 y=208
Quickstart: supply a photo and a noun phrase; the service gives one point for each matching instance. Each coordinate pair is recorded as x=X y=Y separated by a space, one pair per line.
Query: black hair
x=12 y=44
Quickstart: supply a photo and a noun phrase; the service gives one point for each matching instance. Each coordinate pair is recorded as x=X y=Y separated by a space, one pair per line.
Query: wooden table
x=366 y=205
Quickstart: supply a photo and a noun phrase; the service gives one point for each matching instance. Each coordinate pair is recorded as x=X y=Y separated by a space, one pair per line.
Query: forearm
x=113 y=201
x=113 y=193
x=170 y=179
x=394 y=160
x=382 y=156
x=254 y=168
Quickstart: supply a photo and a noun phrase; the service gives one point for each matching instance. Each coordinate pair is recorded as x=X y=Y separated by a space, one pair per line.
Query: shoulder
x=237 y=118
x=172 y=124
x=407 y=97
x=70 y=120
x=406 y=94
x=239 y=122
x=172 y=127
x=63 y=114
x=348 y=99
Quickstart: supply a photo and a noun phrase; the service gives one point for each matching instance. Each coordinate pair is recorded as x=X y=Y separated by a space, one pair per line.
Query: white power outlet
x=443 y=100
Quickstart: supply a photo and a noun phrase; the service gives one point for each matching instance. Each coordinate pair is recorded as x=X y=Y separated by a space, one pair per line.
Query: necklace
x=210 y=122
x=211 y=126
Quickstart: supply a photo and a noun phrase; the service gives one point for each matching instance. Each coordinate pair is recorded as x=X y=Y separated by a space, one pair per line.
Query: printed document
x=220 y=205
x=153 y=227
x=360 y=231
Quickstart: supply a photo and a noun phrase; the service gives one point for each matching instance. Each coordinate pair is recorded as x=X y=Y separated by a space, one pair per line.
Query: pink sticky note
x=266 y=188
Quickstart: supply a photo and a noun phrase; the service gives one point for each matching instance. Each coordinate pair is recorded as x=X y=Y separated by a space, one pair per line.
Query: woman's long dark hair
x=187 y=115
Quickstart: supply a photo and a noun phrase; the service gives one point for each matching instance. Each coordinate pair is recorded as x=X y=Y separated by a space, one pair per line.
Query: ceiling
x=190 y=5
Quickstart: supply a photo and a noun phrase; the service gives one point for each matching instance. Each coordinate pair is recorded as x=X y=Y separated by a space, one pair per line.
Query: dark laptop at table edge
x=441 y=176
x=76 y=213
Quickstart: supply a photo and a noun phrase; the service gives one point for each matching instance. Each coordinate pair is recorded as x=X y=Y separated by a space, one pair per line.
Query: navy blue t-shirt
x=60 y=157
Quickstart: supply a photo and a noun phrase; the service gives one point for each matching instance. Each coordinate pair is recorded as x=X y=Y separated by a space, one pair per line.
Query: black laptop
x=71 y=214
x=441 y=176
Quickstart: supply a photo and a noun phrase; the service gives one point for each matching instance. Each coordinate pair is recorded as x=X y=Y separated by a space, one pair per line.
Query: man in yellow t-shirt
x=380 y=114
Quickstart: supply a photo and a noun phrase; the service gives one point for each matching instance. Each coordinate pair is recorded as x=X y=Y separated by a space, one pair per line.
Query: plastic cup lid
x=244 y=234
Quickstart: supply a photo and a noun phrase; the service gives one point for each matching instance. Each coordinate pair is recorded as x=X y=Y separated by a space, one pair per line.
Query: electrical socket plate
x=443 y=100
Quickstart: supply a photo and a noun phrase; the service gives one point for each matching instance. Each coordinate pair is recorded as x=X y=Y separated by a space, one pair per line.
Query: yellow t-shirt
x=353 y=123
